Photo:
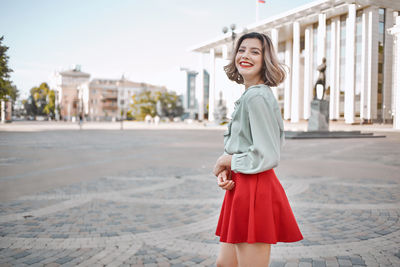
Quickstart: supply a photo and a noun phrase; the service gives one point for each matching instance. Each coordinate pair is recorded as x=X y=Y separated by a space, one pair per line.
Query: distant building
x=110 y=99
x=361 y=57
x=72 y=93
x=191 y=96
x=96 y=100
x=190 y=101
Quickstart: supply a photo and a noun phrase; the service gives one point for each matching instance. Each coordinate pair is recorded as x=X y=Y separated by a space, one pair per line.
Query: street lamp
x=233 y=36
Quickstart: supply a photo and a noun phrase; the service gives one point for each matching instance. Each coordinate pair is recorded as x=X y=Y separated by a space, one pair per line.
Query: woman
x=255 y=212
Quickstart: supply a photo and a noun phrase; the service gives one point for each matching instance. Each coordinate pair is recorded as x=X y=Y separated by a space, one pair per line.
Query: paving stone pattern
x=169 y=219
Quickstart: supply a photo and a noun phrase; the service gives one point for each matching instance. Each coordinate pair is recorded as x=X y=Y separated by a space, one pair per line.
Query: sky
x=144 y=40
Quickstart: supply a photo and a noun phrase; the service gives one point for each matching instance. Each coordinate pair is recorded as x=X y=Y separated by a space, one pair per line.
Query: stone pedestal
x=319 y=118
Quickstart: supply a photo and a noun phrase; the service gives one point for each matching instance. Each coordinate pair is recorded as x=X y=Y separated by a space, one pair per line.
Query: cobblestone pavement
x=165 y=215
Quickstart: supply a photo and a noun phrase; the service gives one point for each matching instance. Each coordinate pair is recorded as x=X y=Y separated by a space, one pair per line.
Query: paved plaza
x=145 y=197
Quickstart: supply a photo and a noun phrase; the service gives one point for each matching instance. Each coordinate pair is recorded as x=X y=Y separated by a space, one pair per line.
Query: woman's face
x=249 y=59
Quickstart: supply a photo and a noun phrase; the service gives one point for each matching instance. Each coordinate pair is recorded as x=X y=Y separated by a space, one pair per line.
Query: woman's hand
x=224 y=180
x=223 y=162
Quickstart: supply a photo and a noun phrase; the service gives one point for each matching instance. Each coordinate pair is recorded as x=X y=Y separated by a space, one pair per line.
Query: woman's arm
x=224 y=180
x=223 y=163
x=264 y=153
x=222 y=170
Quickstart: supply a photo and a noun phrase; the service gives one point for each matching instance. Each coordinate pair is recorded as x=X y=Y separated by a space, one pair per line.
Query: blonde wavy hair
x=274 y=71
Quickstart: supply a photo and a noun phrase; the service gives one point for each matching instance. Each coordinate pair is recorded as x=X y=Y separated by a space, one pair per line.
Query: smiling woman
x=255 y=212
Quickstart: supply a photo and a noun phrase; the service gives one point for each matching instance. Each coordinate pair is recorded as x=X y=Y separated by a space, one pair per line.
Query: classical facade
x=355 y=39
x=72 y=93
x=396 y=73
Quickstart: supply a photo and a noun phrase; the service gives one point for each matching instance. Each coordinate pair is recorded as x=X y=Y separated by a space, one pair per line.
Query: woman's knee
x=223 y=263
x=226 y=261
x=227 y=256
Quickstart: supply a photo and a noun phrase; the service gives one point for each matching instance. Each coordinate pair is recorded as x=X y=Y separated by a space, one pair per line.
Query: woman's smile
x=245 y=64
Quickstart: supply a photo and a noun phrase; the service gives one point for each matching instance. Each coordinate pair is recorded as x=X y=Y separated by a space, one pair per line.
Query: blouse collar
x=237 y=102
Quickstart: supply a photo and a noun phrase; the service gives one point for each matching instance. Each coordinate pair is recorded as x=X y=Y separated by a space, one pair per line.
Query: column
x=200 y=88
x=308 y=83
x=350 y=62
x=288 y=81
x=396 y=70
x=275 y=38
x=3 y=111
x=321 y=38
x=275 y=42
x=372 y=62
x=224 y=52
x=211 y=93
x=337 y=76
x=364 y=68
x=387 y=67
x=333 y=68
x=295 y=73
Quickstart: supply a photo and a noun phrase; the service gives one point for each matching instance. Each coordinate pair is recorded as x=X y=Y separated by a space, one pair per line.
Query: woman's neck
x=251 y=82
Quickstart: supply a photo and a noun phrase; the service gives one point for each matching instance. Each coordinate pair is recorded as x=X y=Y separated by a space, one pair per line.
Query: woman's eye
x=241 y=50
x=256 y=52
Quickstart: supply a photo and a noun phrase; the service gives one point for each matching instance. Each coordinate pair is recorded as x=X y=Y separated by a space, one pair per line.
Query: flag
x=258 y=2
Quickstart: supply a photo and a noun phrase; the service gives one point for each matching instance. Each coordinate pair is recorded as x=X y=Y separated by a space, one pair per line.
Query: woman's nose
x=245 y=54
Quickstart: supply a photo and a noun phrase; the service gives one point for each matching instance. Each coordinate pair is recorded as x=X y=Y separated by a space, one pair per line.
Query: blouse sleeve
x=264 y=153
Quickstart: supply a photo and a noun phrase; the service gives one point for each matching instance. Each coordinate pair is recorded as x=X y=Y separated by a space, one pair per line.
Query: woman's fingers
x=224 y=180
x=223 y=175
x=219 y=179
x=229 y=185
x=223 y=184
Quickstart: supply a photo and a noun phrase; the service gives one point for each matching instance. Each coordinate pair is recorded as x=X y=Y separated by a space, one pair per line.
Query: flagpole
x=257 y=10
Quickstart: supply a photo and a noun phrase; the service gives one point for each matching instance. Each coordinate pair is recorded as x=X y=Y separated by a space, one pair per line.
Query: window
x=381 y=54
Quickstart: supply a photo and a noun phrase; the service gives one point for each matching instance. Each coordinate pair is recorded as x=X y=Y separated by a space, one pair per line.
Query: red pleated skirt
x=257 y=210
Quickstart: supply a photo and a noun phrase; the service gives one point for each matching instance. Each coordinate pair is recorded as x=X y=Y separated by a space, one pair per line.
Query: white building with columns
x=357 y=38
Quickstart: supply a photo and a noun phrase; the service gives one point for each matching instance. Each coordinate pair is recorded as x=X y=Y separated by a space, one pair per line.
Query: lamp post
x=56 y=106
x=80 y=107
x=122 y=113
x=233 y=35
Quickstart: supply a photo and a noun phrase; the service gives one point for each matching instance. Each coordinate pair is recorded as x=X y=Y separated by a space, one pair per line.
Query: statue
x=220 y=111
x=321 y=79
x=319 y=117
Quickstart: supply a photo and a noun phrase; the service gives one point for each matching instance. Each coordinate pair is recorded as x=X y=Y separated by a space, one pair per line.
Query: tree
x=41 y=101
x=171 y=105
x=145 y=103
x=49 y=108
x=6 y=86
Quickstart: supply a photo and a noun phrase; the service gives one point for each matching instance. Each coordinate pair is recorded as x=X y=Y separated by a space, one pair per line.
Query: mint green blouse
x=255 y=134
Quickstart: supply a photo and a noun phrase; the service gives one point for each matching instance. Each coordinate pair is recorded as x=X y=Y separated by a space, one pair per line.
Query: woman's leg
x=253 y=255
x=227 y=256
